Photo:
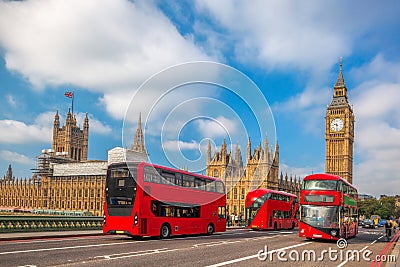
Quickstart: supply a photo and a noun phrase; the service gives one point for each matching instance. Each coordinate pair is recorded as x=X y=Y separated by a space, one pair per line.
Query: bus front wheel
x=165 y=231
x=210 y=229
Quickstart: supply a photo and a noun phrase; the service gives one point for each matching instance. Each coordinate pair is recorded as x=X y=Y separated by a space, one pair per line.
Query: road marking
x=374 y=242
x=255 y=256
x=143 y=254
x=216 y=243
x=108 y=257
x=352 y=257
x=61 y=248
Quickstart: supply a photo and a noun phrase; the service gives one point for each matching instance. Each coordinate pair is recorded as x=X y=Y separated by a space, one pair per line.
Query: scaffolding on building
x=46 y=161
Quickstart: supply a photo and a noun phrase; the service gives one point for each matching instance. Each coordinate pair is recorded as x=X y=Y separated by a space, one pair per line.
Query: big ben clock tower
x=339 y=132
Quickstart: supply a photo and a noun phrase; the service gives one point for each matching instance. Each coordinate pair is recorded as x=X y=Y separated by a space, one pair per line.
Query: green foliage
x=384 y=207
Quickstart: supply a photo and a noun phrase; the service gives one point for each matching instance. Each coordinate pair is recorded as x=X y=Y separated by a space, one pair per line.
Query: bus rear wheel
x=210 y=229
x=165 y=231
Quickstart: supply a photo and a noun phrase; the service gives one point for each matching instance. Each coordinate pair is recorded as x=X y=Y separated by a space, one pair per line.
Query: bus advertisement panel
x=328 y=207
x=143 y=199
x=270 y=209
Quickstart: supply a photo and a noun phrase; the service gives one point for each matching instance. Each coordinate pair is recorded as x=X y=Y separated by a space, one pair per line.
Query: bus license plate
x=120 y=232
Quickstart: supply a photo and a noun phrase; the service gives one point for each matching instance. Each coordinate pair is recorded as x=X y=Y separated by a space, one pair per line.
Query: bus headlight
x=333 y=232
x=104 y=219
x=135 y=219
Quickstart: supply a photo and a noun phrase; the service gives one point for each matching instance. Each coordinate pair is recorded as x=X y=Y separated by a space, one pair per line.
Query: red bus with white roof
x=270 y=209
x=143 y=199
x=328 y=207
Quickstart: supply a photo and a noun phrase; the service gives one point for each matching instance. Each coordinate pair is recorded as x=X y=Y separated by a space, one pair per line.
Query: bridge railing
x=11 y=223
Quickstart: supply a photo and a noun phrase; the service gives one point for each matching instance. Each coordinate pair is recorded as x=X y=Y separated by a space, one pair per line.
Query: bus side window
x=200 y=183
x=178 y=179
x=210 y=187
x=168 y=178
x=221 y=212
x=188 y=181
x=156 y=208
x=219 y=187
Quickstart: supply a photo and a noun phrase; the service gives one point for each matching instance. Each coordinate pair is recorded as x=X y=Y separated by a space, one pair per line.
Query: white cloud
x=377 y=132
x=308 y=99
x=15 y=157
x=106 y=46
x=306 y=108
x=379 y=70
x=220 y=127
x=281 y=33
x=95 y=126
x=299 y=172
x=309 y=36
x=46 y=120
x=16 y=132
x=180 y=145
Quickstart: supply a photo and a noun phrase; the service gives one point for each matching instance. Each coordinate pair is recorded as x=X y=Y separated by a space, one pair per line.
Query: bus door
x=221 y=219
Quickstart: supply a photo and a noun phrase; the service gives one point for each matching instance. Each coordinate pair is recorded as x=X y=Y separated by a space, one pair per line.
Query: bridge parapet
x=11 y=223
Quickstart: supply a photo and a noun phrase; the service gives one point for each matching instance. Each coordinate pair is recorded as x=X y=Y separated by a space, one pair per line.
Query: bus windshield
x=318 y=216
x=121 y=191
x=253 y=209
x=320 y=185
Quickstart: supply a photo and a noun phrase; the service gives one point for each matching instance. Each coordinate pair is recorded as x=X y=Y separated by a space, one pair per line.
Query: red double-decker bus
x=270 y=209
x=328 y=207
x=143 y=199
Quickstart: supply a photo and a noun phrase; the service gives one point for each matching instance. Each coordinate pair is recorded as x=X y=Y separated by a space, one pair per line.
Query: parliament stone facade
x=260 y=171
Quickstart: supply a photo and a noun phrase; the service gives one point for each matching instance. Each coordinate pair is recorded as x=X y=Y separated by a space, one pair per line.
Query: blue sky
x=105 y=50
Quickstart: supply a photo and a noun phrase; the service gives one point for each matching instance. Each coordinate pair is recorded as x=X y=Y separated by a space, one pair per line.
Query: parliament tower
x=339 y=132
x=69 y=140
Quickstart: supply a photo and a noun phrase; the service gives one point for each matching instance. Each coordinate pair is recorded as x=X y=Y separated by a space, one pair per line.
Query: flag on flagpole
x=69 y=94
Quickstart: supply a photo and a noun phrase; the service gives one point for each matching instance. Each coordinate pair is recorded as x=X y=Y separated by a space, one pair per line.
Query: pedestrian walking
x=388 y=228
x=228 y=219
x=233 y=219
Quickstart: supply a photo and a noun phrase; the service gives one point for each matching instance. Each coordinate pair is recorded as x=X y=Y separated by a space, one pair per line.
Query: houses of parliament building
x=65 y=180
x=261 y=171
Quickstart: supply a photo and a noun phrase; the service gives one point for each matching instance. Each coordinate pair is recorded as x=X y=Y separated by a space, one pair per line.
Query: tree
x=384 y=207
x=368 y=207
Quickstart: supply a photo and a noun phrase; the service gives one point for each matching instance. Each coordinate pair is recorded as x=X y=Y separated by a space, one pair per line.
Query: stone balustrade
x=14 y=223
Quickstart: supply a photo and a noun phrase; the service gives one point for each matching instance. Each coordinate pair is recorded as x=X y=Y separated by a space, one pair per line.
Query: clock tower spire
x=339 y=132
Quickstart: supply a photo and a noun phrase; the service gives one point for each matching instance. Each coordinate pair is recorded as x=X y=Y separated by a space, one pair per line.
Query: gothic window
x=215 y=173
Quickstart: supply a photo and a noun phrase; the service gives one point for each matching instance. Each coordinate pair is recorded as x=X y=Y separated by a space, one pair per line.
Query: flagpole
x=73 y=93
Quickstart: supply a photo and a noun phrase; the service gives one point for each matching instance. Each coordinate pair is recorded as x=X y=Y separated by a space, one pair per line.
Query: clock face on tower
x=337 y=125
